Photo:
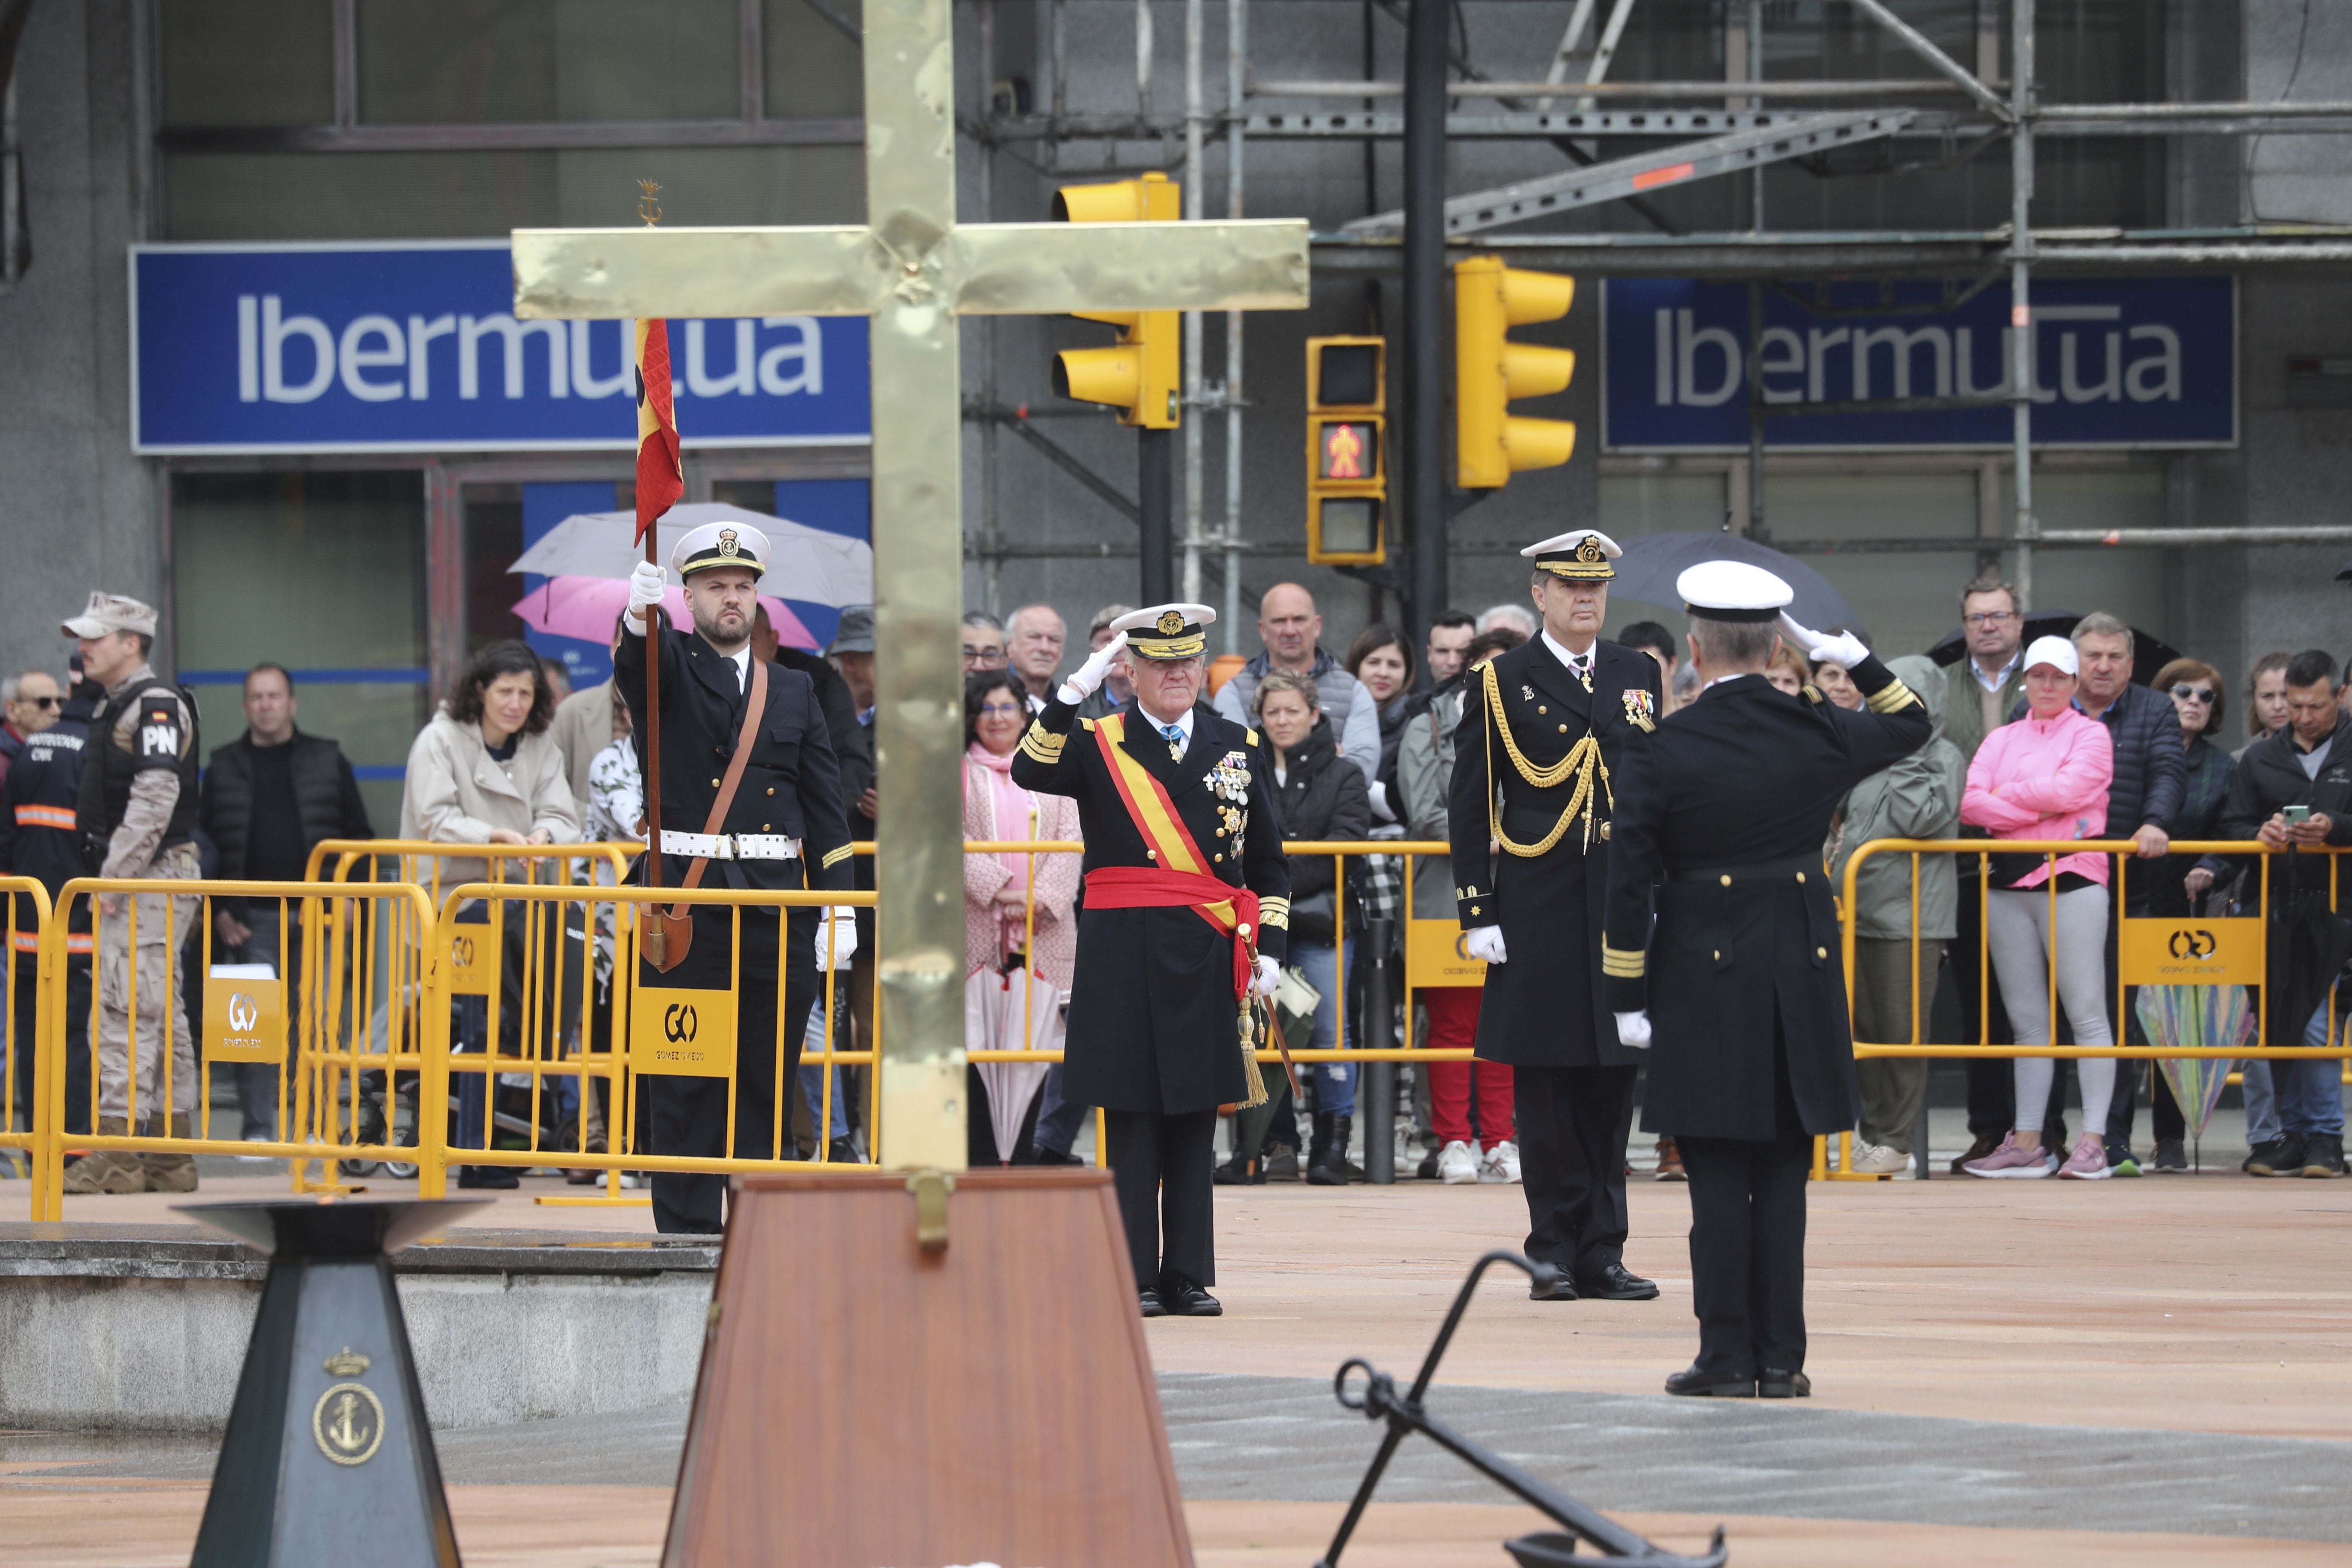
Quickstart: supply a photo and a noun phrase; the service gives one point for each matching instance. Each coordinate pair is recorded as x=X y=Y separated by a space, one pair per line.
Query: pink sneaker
x=2088 y=1163
x=2012 y=1161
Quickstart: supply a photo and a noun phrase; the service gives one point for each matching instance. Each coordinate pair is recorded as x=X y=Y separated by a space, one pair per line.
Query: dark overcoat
x=791 y=785
x=1154 y=1025
x=1544 y=1006
x=1740 y=782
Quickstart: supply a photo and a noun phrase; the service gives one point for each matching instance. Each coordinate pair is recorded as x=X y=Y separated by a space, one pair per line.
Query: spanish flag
x=660 y=478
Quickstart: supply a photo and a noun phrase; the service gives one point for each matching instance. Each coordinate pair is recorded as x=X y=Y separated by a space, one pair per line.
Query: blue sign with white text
x=2142 y=361
x=414 y=347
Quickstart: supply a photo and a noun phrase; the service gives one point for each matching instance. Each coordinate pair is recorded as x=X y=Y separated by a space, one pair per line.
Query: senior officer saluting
x=1727 y=806
x=1187 y=906
x=1542 y=728
x=769 y=819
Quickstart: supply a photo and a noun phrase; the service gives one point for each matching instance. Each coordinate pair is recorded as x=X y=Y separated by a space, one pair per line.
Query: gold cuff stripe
x=835 y=858
x=1621 y=964
x=1274 y=906
x=1043 y=746
x=1892 y=698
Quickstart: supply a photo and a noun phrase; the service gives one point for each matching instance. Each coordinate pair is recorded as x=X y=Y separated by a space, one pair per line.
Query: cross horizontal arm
x=1041 y=269
x=1054 y=268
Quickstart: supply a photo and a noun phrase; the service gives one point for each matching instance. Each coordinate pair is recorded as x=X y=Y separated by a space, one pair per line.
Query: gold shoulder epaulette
x=1812 y=693
x=1088 y=723
x=1252 y=737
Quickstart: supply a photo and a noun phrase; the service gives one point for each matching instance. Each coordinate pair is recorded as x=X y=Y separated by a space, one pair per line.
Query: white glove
x=1269 y=975
x=1089 y=676
x=645 y=591
x=1484 y=942
x=1844 y=649
x=1382 y=810
x=837 y=938
x=1634 y=1030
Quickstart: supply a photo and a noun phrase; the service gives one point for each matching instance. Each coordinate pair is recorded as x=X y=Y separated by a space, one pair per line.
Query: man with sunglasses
x=32 y=702
x=39 y=839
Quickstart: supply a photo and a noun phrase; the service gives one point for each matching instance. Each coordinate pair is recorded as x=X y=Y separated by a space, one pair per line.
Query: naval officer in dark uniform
x=1535 y=763
x=1187 y=910
x=1739 y=991
x=783 y=830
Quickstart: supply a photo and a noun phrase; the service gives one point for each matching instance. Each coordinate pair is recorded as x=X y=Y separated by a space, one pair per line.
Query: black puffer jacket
x=1321 y=799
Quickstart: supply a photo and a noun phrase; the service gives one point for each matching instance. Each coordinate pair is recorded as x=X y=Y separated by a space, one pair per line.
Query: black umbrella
x=2148 y=653
x=1650 y=563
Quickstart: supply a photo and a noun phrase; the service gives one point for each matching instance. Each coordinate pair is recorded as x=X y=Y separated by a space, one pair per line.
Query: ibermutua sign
x=415 y=347
x=2129 y=362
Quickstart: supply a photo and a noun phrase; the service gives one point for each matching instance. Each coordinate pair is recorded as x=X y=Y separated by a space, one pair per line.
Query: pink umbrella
x=586 y=607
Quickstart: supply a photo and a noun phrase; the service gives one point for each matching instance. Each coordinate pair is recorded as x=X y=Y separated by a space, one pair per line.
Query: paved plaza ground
x=2123 y=1373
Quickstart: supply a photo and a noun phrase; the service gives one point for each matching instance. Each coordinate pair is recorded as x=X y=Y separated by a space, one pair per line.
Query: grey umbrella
x=1650 y=563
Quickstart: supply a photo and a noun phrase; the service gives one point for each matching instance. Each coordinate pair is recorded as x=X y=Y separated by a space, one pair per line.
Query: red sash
x=1181 y=879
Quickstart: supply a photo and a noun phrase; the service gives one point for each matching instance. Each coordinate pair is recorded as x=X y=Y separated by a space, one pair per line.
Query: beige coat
x=456 y=794
x=583 y=727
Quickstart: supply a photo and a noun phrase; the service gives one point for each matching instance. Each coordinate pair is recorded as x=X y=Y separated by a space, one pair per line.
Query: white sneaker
x=1877 y=1160
x=1501 y=1165
x=1456 y=1164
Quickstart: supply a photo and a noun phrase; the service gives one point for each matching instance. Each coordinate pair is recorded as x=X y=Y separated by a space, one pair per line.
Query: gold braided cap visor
x=1191 y=643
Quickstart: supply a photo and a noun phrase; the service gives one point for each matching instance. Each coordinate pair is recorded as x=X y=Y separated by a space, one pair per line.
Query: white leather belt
x=730 y=845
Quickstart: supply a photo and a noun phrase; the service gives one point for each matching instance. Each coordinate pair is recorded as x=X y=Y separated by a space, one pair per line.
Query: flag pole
x=661 y=479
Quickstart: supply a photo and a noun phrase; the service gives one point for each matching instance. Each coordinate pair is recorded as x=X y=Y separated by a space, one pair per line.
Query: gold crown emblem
x=726 y=545
x=347 y=1362
x=1170 y=623
x=1589 y=550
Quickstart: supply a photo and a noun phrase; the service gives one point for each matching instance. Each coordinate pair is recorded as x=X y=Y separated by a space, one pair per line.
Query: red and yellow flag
x=661 y=479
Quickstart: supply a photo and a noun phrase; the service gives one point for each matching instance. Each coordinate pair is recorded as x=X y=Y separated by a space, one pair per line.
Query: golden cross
x=913 y=269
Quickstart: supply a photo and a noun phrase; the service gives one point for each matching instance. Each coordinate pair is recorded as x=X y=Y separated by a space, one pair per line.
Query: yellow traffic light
x=1141 y=374
x=1489 y=369
x=1346 y=440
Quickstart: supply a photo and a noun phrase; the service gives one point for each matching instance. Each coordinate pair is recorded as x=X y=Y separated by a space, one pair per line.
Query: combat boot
x=107 y=1170
x=169 y=1173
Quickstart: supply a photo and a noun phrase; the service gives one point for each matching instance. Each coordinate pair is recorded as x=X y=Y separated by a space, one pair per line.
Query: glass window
x=246 y=62
x=493 y=539
x=324 y=573
x=481 y=61
x=814 y=71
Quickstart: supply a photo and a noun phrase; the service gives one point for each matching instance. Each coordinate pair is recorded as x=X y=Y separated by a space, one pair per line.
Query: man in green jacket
x=1985 y=684
x=1918 y=797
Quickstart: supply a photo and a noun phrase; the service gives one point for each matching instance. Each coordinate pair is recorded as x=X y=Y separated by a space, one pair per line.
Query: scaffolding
x=1721 y=129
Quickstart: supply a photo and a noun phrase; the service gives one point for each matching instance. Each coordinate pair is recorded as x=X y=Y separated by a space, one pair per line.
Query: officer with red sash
x=1187 y=910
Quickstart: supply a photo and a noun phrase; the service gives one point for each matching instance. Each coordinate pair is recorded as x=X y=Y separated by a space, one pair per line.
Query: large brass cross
x=913 y=269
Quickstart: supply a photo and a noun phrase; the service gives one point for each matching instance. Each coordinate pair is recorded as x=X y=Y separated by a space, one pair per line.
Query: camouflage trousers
x=158 y=1017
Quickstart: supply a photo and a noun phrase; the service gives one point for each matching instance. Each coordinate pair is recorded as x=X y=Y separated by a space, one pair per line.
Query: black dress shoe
x=1152 y=1307
x=1056 y=1157
x=1774 y=1383
x=1617 y=1283
x=496 y=1178
x=1185 y=1298
x=1712 y=1384
x=1561 y=1288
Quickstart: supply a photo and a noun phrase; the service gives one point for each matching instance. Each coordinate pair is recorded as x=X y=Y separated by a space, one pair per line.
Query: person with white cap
x=1544 y=727
x=1737 y=987
x=136 y=811
x=2046 y=776
x=770 y=818
x=1187 y=910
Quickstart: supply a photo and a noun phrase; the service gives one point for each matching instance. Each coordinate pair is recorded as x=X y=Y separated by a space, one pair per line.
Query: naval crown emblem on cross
x=912 y=268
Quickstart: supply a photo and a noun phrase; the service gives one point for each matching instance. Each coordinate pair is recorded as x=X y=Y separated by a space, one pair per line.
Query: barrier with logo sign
x=2150 y=951
x=307 y=1002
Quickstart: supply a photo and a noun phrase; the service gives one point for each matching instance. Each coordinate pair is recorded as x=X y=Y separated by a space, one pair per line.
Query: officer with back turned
x=782 y=829
x=1543 y=727
x=1740 y=992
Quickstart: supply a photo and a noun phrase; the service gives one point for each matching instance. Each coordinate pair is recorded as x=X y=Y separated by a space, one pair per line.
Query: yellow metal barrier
x=241 y=1019
x=2236 y=957
x=19 y=1037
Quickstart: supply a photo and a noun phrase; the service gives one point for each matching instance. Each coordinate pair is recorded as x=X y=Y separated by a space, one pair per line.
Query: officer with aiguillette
x=1188 y=909
x=136 y=809
x=751 y=798
x=1740 y=992
x=1535 y=760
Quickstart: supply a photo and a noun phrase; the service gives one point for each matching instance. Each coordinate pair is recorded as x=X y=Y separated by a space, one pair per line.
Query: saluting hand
x=1088 y=679
x=1843 y=649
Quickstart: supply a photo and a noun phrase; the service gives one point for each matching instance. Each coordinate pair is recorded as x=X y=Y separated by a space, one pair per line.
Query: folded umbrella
x=586 y=607
x=1012 y=1010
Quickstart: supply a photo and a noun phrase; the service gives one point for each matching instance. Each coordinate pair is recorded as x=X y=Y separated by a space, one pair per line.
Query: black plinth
x=328 y=1456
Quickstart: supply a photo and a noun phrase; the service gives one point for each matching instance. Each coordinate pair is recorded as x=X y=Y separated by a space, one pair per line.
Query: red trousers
x=1454 y=1025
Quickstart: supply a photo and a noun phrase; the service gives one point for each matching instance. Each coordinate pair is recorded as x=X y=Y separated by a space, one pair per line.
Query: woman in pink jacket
x=2046 y=776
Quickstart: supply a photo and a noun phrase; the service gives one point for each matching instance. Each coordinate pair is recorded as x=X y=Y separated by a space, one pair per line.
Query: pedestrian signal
x=1490 y=444
x=1142 y=373
x=1347 y=463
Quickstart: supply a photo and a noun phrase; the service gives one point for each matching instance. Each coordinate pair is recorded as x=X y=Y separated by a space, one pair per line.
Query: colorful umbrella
x=818 y=567
x=586 y=607
x=2195 y=1018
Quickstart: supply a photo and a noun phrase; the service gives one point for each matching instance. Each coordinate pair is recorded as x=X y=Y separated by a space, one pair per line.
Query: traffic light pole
x=1425 y=372
x=1155 y=491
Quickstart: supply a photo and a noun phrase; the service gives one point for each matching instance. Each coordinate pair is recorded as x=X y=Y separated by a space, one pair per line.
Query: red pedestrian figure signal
x=1345 y=447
